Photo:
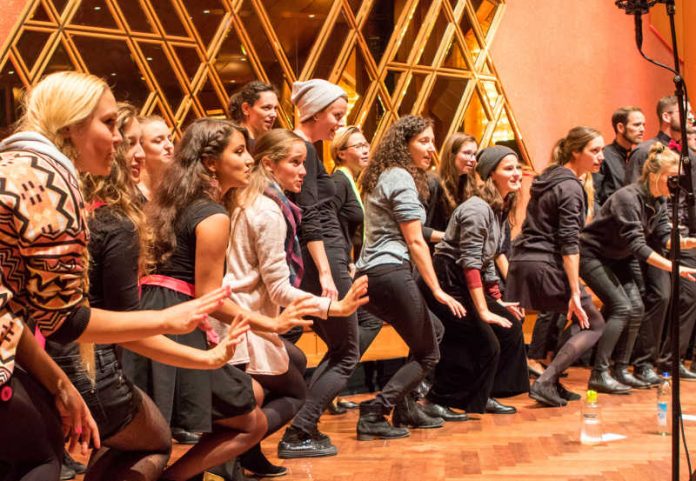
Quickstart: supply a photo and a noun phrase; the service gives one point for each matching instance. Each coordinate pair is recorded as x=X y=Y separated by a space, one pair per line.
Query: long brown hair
x=576 y=140
x=187 y=179
x=455 y=189
x=117 y=190
x=486 y=190
x=393 y=151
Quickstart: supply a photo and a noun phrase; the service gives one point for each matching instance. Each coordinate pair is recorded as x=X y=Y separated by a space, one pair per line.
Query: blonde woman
x=69 y=125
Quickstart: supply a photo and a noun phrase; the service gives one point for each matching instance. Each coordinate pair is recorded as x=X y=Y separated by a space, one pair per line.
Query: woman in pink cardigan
x=264 y=268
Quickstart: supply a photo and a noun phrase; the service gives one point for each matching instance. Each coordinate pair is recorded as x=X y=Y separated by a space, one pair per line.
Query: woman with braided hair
x=186 y=258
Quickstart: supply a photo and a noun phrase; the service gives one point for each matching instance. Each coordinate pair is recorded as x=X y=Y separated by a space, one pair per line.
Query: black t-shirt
x=113 y=271
x=182 y=263
x=350 y=213
x=319 y=219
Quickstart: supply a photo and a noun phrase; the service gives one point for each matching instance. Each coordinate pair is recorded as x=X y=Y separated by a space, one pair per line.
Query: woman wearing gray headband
x=321 y=106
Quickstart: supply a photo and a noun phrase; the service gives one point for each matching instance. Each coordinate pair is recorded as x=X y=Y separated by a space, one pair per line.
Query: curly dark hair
x=249 y=93
x=392 y=151
x=187 y=179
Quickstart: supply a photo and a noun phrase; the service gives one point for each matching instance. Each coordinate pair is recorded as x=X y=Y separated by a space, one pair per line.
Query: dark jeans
x=31 y=437
x=656 y=287
x=687 y=315
x=111 y=398
x=615 y=283
x=396 y=299
x=341 y=337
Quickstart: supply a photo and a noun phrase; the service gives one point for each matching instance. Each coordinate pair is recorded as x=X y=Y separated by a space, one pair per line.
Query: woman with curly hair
x=629 y=222
x=254 y=107
x=393 y=185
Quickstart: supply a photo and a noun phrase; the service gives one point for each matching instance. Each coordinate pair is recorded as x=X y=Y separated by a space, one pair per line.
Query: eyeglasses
x=468 y=154
x=360 y=146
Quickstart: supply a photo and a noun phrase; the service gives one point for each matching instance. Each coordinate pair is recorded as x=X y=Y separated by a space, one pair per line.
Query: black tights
x=578 y=343
x=138 y=452
x=31 y=437
x=285 y=392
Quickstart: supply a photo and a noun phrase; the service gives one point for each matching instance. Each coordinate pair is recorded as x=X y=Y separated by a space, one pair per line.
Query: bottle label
x=662 y=413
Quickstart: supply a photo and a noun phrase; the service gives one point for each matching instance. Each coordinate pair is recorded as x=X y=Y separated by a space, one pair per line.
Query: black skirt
x=477 y=359
x=538 y=285
x=190 y=399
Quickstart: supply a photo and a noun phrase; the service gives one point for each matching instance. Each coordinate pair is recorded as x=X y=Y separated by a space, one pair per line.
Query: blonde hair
x=58 y=101
x=588 y=186
x=340 y=141
x=117 y=189
x=659 y=158
x=275 y=146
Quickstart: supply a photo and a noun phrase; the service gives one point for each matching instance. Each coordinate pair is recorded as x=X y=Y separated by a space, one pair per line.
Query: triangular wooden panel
x=94 y=13
x=41 y=14
x=30 y=45
x=135 y=16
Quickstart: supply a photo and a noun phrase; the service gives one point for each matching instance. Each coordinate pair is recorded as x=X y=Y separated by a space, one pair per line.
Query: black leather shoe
x=229 y=471
x=343 y=403
x=437 y=411
x=408 y=413
x=603 y=382
x=182 y=436
x=625 y=377
x=66 y=473
x=685 y=374
x=494 y=407
x=335 y=409
x=545 y=393
x=299 y=444
x=647 y=374
x=567 y=395
x=258 y=464
x=373 y=425
x=69 y=461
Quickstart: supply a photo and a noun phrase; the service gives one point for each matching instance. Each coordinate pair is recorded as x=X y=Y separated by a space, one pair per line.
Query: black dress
x=188 y=398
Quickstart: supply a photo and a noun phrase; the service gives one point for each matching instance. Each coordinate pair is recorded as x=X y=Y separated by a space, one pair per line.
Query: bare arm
x=503 y=265
x=571 y=265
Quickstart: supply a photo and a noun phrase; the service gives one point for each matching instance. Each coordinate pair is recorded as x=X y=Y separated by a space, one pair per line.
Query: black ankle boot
x=601 y=381
x=373 y=425
x=408 y=413
x=546 y=393
x=255 y=461
x=622 y=375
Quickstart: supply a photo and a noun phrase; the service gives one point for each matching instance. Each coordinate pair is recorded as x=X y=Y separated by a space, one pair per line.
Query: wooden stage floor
x=534 y=444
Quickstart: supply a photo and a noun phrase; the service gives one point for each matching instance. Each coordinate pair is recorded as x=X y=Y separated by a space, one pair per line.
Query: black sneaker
x=296 y=443
x=69 y=461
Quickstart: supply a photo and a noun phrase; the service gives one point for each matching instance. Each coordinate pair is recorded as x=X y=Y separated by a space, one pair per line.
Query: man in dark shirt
x=629 y=128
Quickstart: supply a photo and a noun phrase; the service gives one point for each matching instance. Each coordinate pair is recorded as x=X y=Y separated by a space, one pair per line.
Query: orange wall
x=572 y=62
x=10 y=13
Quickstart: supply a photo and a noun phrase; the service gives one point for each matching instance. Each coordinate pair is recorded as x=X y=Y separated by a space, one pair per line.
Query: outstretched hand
x=293 y=314
x=224 y=350
x=185 y=317
x=78 y=424
x=354 y=298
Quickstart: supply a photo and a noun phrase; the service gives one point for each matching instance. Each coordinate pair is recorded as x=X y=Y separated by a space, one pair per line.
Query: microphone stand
x=683 y=183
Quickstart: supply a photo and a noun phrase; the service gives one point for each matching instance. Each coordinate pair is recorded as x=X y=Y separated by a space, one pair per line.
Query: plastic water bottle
x=664 y=405
x=591 y=430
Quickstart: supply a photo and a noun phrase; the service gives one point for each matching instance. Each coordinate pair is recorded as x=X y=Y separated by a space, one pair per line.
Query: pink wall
x=572 y=62
x=10 y=13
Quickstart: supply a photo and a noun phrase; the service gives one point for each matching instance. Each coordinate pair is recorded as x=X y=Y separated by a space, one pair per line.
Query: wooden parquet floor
x=536 y=444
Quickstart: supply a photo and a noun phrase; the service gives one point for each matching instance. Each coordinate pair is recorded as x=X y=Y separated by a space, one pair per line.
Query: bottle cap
x=591 y=396
x=666 y=375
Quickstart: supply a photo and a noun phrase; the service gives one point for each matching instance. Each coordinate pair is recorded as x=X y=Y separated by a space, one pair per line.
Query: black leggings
x=285 y=392
x=395 y=298
x=31 y=436
x=615 y=283
x=341 y=337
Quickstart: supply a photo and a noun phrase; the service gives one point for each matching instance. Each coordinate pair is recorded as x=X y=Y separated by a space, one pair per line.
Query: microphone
x=635 y=7
x=638 y=20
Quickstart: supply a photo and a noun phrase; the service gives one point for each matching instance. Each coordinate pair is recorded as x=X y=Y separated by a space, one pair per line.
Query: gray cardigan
x=473 y=238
